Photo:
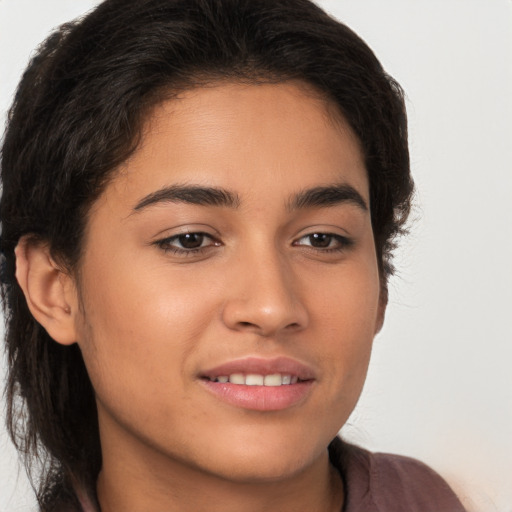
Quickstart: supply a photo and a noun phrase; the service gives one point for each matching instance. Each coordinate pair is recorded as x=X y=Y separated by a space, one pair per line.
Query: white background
x=440 y=383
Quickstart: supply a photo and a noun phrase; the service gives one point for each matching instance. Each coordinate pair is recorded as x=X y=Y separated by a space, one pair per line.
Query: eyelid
x=185 y=229
x=168 y=243
x=343 y=242
x=165 y=243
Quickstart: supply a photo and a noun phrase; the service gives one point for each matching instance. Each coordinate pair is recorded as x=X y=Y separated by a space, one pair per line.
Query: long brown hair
x=77 y=115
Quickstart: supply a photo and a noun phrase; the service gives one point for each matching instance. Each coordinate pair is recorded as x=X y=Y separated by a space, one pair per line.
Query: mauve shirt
x=379 y=482
x=373 y=482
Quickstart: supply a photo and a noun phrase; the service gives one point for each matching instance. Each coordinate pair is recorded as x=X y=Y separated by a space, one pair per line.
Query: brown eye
x=324 y=242
x=320 y=240
x=187 y=243
x=190 y=240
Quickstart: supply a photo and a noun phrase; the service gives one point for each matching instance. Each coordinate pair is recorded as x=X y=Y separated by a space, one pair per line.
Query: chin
x=266 y=458
x=256 y=469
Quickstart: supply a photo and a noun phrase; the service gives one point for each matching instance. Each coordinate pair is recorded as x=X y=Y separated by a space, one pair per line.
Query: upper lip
x=262 y=366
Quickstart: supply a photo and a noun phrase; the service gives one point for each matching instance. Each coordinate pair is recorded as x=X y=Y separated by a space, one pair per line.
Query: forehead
x=239 y=136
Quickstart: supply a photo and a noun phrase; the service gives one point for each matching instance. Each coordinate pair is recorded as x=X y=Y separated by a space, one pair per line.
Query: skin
x=149 y=319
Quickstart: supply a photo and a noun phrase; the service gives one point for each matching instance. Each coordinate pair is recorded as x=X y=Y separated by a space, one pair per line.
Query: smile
x=254 y=379
x=260 y=384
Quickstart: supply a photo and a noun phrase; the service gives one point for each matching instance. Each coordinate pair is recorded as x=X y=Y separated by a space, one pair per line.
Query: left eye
x=323 y=241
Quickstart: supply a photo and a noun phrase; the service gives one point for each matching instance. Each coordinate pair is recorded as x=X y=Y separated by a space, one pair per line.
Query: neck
x=151 y=481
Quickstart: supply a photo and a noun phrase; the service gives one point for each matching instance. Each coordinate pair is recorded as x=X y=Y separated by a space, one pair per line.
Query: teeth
x=273 y=380
x=254 y=379
x=237 y=378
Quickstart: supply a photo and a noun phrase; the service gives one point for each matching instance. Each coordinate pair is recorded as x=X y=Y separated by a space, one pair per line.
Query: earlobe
x=48 y=290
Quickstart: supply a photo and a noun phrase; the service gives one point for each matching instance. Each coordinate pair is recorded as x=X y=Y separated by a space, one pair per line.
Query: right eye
x=187 y=243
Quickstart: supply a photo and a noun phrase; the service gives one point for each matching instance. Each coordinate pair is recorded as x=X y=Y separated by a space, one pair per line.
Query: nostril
x=251 y=325
x=257 y=315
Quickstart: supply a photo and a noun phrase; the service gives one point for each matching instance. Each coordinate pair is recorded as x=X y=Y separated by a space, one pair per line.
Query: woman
x=200 y=199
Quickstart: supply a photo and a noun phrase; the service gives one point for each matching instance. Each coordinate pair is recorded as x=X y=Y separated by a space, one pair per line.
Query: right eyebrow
x=192 y=194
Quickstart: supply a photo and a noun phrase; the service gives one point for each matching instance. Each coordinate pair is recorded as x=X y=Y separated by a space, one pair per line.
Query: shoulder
x=381 y=482
x=418 y=486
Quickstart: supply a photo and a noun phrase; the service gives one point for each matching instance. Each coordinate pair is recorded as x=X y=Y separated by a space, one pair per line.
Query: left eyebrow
x=325 y=196
x=192 y=194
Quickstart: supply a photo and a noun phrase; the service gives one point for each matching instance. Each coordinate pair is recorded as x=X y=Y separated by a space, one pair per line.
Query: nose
x=264 y=296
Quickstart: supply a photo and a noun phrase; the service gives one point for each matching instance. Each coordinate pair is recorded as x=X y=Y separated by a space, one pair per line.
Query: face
x=229 y=286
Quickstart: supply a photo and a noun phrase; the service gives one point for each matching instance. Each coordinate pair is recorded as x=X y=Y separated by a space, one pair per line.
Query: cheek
x=347 y=299
x=346 y=317
x=140 y=327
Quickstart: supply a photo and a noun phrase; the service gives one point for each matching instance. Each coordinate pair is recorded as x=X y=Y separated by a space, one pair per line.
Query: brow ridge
x=327 y=195
x=192 y=194
x=317 y=197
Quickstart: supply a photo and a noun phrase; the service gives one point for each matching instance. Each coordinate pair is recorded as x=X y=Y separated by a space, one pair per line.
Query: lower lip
x=260 y=398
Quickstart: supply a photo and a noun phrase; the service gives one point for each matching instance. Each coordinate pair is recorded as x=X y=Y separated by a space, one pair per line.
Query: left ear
x=49 y=290
x=381 y=311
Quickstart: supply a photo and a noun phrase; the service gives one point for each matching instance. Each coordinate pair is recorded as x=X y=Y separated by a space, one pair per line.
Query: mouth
x=255 y=379
x=260 y=384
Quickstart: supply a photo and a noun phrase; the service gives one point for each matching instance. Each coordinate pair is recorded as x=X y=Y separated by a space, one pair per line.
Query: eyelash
x=342 y=243
x=165 y=244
